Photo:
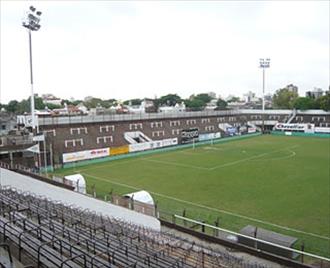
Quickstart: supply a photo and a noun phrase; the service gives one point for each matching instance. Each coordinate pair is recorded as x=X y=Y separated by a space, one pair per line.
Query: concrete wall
x=25 y=183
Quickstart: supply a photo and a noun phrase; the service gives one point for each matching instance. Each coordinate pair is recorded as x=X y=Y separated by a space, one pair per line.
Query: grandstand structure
x=81 y=133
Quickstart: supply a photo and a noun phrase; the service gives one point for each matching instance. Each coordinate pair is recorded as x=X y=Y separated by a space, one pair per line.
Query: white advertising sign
x=39 y=138
x=322 y=130
x=156 y=144
x=209 y=136
x=252 y=130
x=308 y=128
x=139 y=147
x=85 y=155
x=169 y=142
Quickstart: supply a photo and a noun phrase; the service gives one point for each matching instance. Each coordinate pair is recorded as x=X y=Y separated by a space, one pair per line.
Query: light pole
x=32 y=24
x=264 y=63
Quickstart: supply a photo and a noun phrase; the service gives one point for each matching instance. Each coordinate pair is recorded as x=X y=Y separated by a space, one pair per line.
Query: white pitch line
x=292 y=154
x=249 y=158
x=174 y=164
x=110 y=164
x=213 y=209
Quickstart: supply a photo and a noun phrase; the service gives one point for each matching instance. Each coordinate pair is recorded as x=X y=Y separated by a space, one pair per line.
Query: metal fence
x=145 y=116
x=258 y=244
x=132 y=204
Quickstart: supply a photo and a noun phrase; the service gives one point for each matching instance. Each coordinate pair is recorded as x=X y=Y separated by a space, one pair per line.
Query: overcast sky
x=137 y=49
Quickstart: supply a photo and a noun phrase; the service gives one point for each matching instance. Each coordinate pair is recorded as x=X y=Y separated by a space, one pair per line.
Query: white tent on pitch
x=78 y=182
x=141 y=196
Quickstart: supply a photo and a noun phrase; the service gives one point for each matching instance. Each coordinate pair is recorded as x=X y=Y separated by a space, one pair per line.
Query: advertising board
x=209 y=136
x=308 y=128
x=119 y=150
x=231 y=131
x=252 y=130
x=169 y=142
x=322 y=130
x=85 y=155
x=136 y=147
x=189 y=135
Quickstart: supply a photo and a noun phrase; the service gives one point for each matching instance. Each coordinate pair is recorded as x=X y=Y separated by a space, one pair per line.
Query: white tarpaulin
x=141 y=196
x=77 y=181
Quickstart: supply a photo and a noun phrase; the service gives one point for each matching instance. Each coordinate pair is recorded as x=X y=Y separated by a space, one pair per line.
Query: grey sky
x=125 y=50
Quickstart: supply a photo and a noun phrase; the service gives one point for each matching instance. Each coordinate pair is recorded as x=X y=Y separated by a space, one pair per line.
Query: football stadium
x=196 y=189
x=186 y=179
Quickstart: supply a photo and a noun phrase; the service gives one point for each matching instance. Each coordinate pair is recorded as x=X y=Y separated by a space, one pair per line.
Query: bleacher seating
x=55 y=234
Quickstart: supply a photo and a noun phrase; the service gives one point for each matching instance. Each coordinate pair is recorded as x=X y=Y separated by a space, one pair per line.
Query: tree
x=324 y=102
x=234 y=99
x=195 y=104
x=169 y=100
x=12 y=106
x=52 y=106
x=221 y=104
x=93 y=103
x=284 y=98
x=24 y=107
x=38 y=103
x=133 y=102
x=203 y=97
x=304 y=103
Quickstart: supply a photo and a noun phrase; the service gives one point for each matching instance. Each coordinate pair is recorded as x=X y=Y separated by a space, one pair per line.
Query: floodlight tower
x=32 y=24
x=264 y=63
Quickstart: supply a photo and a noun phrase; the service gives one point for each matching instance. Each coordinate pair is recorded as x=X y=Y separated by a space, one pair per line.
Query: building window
x=104 y=139
x=107 y=128
x=209 y=128
x=73 y=143
x=191 y=122
x=135 y=126
x=174 y=123
x=158 y=133
x=205 y=120
x=50 y=132
x=156 y=124
x=78 y=130
x=221 y=119
x=175 y=132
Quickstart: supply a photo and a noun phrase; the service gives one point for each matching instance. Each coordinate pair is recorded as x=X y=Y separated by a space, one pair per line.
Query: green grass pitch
x=275 y=182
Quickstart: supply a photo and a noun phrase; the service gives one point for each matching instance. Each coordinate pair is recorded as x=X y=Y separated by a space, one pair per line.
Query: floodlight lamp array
x=264 y=63
x=33 y=19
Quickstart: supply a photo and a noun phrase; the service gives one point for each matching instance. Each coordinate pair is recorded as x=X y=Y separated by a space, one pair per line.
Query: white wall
x=25 y=183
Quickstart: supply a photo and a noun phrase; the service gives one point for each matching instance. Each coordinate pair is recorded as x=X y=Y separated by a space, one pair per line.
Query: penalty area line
x=210 y=208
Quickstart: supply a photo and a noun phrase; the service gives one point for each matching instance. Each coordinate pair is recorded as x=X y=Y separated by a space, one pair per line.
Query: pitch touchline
x=210 y=208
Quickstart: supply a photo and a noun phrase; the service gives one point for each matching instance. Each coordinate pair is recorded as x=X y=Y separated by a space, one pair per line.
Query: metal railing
x=257 y=240
x=58 y=120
